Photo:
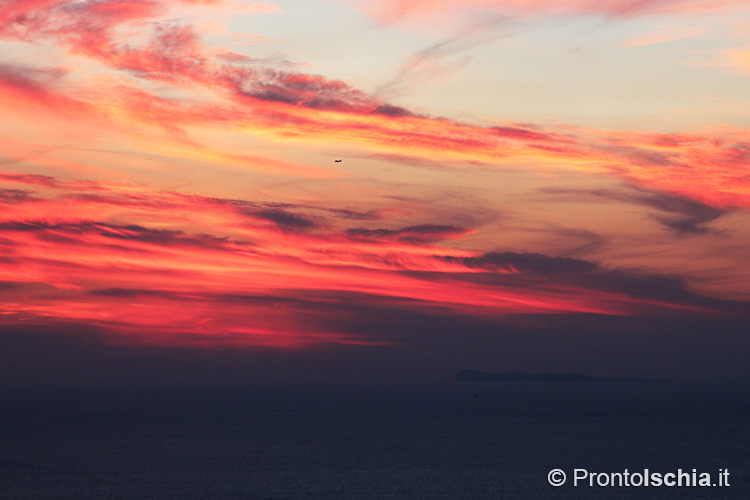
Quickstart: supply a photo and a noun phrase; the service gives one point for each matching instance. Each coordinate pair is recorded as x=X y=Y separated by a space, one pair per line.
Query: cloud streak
x=682 y=215
x=393 y=10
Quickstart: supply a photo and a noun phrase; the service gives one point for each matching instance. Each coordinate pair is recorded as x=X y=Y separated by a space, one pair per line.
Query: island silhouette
x=574 y=378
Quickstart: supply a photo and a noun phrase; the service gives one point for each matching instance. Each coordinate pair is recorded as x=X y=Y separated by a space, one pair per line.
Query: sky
x=228 y=192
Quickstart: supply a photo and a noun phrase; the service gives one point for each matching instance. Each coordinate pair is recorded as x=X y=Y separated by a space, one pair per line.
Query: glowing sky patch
x=224 y=173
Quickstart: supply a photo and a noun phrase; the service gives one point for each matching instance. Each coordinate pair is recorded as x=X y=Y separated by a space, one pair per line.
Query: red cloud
x=211 y=269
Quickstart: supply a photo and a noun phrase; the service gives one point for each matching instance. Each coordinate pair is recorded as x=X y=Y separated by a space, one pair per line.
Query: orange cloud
x=234 y=93
x=662 y=36
x=737 y=59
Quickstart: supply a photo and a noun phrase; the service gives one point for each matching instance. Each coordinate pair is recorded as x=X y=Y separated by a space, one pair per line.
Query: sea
x=442 y=441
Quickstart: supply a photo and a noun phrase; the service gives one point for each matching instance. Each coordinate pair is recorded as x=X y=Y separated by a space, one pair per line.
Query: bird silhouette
x=337 y=161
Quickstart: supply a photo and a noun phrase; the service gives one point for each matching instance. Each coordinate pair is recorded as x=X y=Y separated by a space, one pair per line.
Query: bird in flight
x=337 y=161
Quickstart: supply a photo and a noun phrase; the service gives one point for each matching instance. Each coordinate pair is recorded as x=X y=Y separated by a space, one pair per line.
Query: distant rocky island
x=571 y=378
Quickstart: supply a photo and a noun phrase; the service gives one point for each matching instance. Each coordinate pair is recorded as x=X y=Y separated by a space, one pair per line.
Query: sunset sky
x=546 y=185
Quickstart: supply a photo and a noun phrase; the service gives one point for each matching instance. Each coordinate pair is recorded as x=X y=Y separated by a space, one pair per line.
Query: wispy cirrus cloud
x=392 y=10
x=440 y=58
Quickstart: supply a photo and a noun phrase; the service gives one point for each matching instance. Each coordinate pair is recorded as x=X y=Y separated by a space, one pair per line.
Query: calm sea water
x=452 y=441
